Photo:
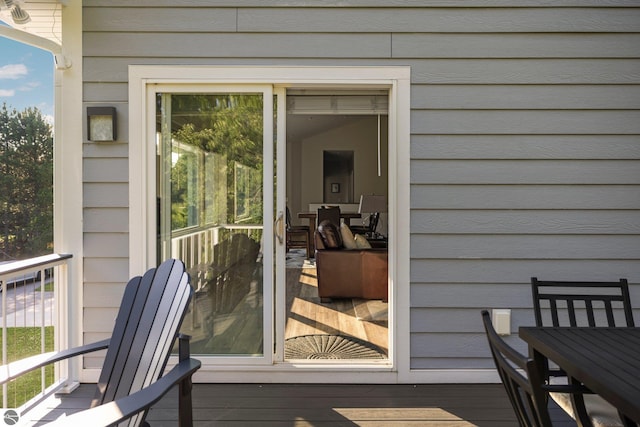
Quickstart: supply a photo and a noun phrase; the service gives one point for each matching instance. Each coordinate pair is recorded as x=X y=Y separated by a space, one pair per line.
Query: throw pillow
x=347 y=237
x=362 y=242
x=330 y=235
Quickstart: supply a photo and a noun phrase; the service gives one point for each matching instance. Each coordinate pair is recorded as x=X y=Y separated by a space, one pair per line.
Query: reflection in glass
x=210 y=210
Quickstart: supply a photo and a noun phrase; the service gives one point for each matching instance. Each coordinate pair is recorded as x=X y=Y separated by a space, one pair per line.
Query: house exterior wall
x=525 y=139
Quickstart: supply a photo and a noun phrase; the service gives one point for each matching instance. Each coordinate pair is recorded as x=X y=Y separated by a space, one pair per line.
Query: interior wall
x=304 y=161
x=293 y=187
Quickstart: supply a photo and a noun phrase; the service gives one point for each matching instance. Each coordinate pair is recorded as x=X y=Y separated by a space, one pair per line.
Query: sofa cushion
x=330 y=235
x=362 y=242
x=347 y=237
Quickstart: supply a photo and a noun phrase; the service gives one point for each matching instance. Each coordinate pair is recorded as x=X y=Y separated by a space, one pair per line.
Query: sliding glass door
x=215 y=212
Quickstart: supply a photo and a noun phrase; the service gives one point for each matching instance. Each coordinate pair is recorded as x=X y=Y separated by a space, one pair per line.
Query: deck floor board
x=331 y=405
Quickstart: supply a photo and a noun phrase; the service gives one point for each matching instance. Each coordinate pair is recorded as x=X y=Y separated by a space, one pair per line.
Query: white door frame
x=142 y=184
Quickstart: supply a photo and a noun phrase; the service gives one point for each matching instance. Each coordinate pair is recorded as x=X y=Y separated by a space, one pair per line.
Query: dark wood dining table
x=606 y=360
x=311 y=216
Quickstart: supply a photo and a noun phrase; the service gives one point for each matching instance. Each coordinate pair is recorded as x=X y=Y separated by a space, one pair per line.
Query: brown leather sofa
x=351 y=273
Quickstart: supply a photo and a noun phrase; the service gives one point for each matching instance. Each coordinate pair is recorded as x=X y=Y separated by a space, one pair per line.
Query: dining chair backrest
x=331 y=213
x=589 y=304
x=520 y=378
x=288 y=219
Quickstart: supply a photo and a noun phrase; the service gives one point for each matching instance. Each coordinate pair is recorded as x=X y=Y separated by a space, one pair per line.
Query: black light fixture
x=101 y=124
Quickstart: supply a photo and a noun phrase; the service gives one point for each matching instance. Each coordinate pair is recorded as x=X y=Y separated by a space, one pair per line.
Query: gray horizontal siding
x=105 y=194
x=258 y=45
x=548 y=247
x=525 y=138
x=525 y=97
x=423 y=71
x=106 y=244
x=525 y=171
x=376 y=44
x=496 y=271
x=105 y=170
x=516 y=46
x=109 y=269
x=524 y=222
x=102 y=220
x=443 y=319
x=446 y=295
x=519 y=147
x=554 y=197
x=439 y=20
x=298 y=19
x=526 y=71
x=525 y=122
x=389 y=4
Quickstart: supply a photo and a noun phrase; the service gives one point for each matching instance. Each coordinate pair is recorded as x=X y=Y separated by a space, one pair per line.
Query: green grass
x=48 y=287
x=21 y=343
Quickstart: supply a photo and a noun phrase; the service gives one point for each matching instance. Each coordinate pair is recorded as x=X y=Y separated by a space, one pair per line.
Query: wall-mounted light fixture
x=101 y=123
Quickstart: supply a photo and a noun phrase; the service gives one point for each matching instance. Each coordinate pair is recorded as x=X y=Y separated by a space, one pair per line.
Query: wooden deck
x=316 y=405
x=331 y=405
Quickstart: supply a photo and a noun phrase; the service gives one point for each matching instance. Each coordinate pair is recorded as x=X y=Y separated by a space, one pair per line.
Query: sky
x=26 y=77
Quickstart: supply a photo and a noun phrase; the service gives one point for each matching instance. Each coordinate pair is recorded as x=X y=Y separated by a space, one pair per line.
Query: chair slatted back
x=331 y=213
x=152 y=310
x=525 y=392
x=581 y=303
x=289 y=222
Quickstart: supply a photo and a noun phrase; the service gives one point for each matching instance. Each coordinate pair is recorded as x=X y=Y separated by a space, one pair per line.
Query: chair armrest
x=19 y=367
x=126 y=407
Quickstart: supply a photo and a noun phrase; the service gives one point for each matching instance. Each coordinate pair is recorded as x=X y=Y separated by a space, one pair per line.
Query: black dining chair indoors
x=520 y=378
x=582 y=304
x=331 y=213
x=298 y=236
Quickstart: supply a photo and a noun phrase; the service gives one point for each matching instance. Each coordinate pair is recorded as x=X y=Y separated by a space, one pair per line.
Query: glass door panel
x=213 y=202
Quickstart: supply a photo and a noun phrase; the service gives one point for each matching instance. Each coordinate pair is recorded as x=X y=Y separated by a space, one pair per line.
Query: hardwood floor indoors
x=359 y=318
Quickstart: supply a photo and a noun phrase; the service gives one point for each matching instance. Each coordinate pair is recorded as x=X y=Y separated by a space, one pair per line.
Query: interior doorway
x=337 y=176
x=336 y=151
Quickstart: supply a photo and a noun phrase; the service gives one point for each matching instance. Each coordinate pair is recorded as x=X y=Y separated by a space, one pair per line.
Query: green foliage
x=230 y=126
x=21 y=343
x=26 y=179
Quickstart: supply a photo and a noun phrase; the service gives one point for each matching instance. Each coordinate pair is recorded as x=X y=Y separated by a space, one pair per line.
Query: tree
x=26 y=179
x=231 y=126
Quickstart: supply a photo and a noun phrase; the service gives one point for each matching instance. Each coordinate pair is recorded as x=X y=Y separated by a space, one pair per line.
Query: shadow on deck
x=306 y=405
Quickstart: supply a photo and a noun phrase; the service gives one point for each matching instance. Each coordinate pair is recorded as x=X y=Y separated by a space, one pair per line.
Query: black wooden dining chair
x=582 y=304
x=145 y=330
x=521 y=379
x=330 y=213
x=298 y=236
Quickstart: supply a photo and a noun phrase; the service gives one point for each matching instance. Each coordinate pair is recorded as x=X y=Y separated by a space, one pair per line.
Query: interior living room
x=337 y=157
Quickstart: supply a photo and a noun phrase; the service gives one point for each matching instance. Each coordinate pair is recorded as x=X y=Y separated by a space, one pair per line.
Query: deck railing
x=197 y=248
x=29 y=304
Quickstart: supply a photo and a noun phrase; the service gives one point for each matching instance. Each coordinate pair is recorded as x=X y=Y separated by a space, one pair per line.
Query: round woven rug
x=330 y=347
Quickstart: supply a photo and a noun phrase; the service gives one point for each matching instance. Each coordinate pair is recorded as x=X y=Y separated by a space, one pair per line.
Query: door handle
x=279 y=227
